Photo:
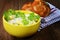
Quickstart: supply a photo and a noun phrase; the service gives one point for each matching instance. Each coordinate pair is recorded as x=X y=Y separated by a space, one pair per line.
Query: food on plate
x=20 y=17
x=38 y=6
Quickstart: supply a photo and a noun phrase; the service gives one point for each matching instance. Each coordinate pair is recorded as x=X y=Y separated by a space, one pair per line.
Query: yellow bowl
x=21 y=31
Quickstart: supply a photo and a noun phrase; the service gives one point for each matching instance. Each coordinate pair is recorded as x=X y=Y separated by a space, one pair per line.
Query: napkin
x=52 y=18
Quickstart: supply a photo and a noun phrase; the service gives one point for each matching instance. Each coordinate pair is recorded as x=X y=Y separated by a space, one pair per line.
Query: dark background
x=51 y=32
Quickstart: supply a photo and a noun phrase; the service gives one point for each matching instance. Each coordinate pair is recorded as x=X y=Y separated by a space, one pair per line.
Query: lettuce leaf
x=22 y=15
x=8 y=13
x=31 y=17
x=25 y=22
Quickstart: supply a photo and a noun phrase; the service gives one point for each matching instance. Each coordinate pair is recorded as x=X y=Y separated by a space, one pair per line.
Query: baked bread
x=38 y=6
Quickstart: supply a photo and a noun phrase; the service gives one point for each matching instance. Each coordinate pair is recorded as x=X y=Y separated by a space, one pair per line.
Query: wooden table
x=51 y=32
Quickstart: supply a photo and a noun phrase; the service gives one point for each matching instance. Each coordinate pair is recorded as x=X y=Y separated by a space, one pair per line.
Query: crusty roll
x=38 y=6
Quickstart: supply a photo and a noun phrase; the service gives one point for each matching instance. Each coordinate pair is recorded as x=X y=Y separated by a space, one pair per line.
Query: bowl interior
x=24 y=11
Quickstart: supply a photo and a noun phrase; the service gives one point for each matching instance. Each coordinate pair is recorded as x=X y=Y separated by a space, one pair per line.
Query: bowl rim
x=39 y=21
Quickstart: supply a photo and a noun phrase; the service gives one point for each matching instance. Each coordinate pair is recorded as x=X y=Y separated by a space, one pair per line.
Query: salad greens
x=33 y=17
x=17 y=14
x=12 y=14
x=22 y=15
x=8 y=13
x=25 y=22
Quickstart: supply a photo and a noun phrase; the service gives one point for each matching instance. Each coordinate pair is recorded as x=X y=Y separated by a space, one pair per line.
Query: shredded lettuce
x=22 y=15
x=8 y=13
x=31 y=17
x=11 y=14
x=17 y=14
x=25 y=22
x=6 y=16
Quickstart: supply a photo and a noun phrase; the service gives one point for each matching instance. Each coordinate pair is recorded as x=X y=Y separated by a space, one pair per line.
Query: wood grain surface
x=51 y=32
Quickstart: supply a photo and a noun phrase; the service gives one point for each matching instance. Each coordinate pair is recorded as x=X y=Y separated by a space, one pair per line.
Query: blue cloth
x=52 y=18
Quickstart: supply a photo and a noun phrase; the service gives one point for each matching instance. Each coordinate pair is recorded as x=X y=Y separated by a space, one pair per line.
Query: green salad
x=20 y=18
